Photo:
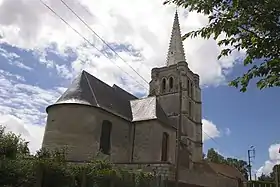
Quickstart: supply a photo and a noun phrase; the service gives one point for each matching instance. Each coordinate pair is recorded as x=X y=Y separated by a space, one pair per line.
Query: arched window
x=164 y=148
x=163 y=84
x=105 y=138
x=171 y=83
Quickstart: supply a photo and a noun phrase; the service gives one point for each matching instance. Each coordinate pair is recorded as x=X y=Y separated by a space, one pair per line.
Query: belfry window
x=171 y=83
x=105 y=138
x=163 y=85
x=164 y=148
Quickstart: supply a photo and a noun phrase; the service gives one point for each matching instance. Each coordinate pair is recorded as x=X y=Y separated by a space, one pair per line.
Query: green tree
x=215 y=157
x=19 y=168
x=250 y=25
x=266 y=178
x=270 y=177
x=241 y=165
x=12 y=145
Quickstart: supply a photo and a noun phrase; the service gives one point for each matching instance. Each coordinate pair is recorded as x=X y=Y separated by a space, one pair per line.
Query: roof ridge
x=115 y=86
x=231 y=167
x=92 y=92
x=148 y=97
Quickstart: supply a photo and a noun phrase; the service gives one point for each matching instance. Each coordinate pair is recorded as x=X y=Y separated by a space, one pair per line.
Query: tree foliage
x=250 y=25
x=50 y=168
x=271 y=176
x=215 y=157
x=12 y=145
x=266 y=178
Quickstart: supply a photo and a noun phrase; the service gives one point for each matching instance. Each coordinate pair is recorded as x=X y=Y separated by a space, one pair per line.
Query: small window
x=191 y=89
x=105 y=138
x=190 y=109
x=163 y=84
x=188 y=87
x=164 y=148
x=171 y=83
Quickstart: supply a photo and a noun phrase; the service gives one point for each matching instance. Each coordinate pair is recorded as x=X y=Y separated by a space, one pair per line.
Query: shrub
x=50 y=169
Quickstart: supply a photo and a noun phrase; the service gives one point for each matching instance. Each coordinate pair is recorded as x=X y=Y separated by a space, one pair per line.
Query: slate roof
x=221 y=169
x=226 y=170
x=146 y=109
x=87 y=89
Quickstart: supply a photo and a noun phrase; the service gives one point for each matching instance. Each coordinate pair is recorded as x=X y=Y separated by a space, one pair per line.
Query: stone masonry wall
x=148 y=141
x=191 y=102
x=78 y=127
x=165 y=170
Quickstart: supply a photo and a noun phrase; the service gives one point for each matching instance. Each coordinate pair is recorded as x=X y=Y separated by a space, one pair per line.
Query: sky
x=40 y=55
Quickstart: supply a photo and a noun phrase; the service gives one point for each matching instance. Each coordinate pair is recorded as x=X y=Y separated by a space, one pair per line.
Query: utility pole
x=178 y=134
x=250 y=156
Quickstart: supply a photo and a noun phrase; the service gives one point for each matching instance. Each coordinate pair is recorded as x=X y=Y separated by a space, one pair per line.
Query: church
x=93 y=118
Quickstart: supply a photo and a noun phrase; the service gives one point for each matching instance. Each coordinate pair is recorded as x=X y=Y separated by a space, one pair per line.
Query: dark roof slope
x=124 y=94
x=220 y=169
x=78 y=92
x=87 y=89
x=227 y=170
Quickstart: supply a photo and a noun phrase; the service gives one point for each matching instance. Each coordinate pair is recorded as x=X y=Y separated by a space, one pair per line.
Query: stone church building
x=93 y=118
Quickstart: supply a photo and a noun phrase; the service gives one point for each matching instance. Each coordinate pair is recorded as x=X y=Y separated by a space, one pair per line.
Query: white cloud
x=22 y=107
x=31 y=133
x=13 y=59
x=210 y=130
x=274 y=158
x=142 y=25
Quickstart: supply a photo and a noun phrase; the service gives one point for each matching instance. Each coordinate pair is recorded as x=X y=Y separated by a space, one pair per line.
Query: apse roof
x=87 y=89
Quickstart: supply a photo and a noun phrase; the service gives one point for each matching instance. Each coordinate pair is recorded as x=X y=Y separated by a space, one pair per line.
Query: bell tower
x=165 y=85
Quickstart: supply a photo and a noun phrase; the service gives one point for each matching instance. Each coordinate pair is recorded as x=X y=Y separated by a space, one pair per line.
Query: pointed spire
x=176 y=50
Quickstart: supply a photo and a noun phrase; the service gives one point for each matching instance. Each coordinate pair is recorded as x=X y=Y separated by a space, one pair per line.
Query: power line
x=102 y=39
x=219 y=144
x=106 y=45
x=124 y=47
x=211 y=138
x=88 y=41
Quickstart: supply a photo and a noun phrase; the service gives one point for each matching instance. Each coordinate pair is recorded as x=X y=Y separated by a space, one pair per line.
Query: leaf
x=235 y=3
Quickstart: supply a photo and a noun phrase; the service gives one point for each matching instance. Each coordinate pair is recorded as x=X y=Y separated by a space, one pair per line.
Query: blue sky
x=251 y=117
x=40 y=56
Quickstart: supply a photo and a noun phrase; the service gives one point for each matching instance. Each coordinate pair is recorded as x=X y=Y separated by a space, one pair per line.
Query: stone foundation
x=163 y=169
